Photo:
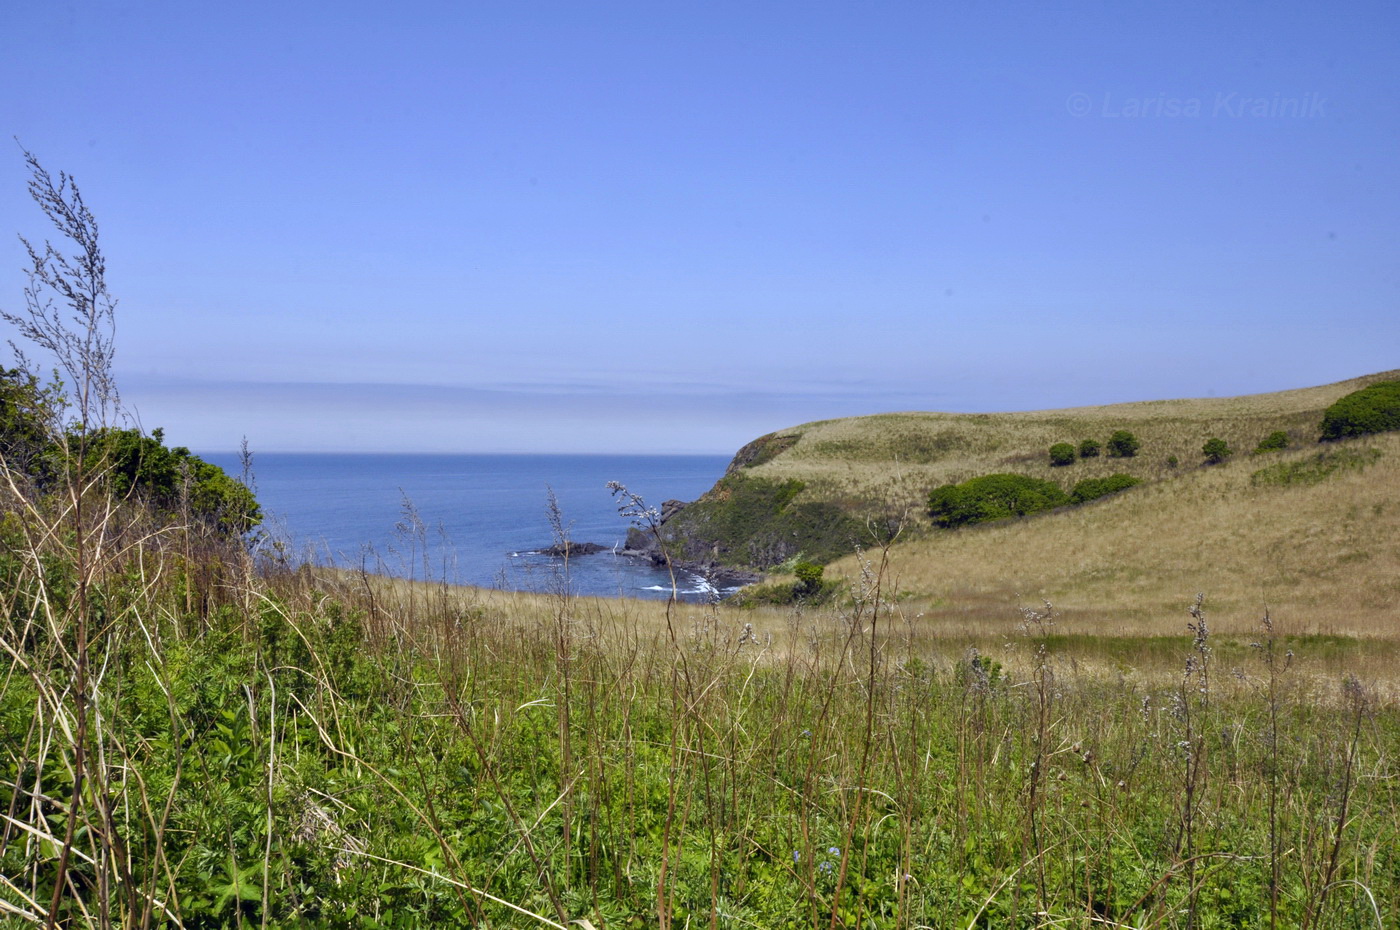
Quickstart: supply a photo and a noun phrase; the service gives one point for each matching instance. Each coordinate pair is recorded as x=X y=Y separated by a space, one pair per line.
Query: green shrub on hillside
x=993 y=497
x=1062 y=453
x=1091 y=488
x=1216 y=450
x=1374 y=409
x=1123 y=445
x=1274 y=442
x=1090 y=448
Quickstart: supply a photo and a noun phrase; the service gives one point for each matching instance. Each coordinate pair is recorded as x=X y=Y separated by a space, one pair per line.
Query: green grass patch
x=1316 y=468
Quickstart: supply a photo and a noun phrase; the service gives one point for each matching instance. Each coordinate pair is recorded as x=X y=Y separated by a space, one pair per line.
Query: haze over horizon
x=621 y=228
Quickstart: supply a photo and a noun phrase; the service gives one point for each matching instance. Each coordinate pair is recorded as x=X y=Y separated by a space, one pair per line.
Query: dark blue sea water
x=479 y=518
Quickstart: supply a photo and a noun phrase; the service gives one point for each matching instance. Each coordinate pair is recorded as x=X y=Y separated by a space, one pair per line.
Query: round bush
x=1374 y=409
x=1273 y=442
x=1123 y=445
x=993 y=497
x=1090 y=449
x=1216 y=451
x=1061 y=453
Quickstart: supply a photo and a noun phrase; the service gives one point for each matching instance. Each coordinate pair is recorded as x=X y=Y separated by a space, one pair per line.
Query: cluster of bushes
x=1121 y=445
x=997 y=497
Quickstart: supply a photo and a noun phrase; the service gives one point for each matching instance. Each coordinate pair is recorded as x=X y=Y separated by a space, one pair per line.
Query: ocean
x=473 y=519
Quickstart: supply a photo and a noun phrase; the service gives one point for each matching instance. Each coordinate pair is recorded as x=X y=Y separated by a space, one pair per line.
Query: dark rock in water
x=559 y=550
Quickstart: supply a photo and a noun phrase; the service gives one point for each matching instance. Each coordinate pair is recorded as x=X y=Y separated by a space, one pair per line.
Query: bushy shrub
x=809 y=578
x=1273 y=442
x=1090 y=448
x=1090 y=488
x=1216 y=450
x=1374 y=409
x=1062 y=453
x=993 y=497
x=1123 y=445
x=172 y=480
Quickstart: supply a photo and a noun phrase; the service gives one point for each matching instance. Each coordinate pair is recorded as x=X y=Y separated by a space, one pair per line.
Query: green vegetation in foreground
x=310 y=757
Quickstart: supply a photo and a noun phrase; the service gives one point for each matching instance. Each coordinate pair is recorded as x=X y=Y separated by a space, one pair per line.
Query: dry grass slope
x=897 y=458
x=1323 y=558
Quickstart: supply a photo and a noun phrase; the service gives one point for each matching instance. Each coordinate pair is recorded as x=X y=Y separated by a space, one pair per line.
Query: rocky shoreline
x=720 y=577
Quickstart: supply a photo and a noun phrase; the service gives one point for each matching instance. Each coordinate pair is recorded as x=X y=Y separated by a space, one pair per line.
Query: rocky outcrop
x=570 y=549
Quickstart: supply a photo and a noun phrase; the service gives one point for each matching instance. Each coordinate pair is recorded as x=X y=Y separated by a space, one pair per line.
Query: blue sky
x=622 y=227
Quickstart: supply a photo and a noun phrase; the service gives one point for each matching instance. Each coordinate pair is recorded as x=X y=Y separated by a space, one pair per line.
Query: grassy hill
x=895 y=459
x=1328 y=549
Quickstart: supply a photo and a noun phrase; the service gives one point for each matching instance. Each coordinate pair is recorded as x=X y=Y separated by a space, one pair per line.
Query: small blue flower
x=825 y=866
x=835 y=851
x=806 y=734
x=797 y=855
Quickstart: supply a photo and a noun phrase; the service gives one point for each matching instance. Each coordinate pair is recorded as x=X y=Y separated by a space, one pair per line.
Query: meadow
x=210 y=738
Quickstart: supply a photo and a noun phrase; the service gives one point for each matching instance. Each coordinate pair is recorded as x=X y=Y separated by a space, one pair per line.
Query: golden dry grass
x=898 y=458
x=1326 y=554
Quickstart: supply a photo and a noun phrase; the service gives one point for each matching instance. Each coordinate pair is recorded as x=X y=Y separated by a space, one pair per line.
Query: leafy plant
x=1062 y=453
x=1374 y=409
x=1216 y=450
x=1123 y=445
x=1274 y=442
x=809 y=578
x=1090 y=448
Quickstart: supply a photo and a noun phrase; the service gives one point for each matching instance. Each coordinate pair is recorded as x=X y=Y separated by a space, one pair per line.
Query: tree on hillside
x=1216 y=451
x=1062 y=453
